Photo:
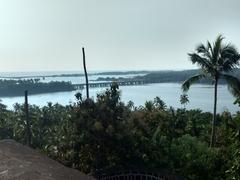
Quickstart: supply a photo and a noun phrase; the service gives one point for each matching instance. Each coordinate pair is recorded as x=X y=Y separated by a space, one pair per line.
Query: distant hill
x=122 y=72
x=166 y=76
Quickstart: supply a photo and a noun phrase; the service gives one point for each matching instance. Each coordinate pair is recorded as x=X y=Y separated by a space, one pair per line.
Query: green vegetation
x=184 y=99
x=168 y=77
x=215 y=61
x=17 y=87
x=106 y=134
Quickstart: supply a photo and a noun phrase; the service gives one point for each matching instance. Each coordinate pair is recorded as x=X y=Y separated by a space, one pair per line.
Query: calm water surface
x=200 y=96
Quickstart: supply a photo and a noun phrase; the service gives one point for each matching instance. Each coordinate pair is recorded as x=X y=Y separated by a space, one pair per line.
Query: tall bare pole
x=85 y=72
x=28 y=130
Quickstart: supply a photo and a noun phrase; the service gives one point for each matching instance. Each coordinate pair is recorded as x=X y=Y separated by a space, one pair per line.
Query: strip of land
x=17 y=87
x=165 y=77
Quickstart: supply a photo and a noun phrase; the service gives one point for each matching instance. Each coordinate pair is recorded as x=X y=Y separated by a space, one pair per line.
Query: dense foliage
x=216 y=61
x=34 y=86
x=106 y=134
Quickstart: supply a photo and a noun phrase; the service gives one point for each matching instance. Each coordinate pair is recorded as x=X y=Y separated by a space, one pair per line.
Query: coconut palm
x=184 y=99
x=215 y=62
x=160 y=104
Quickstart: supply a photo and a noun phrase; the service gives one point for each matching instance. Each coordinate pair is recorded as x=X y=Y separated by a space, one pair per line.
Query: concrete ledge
x=22 y=163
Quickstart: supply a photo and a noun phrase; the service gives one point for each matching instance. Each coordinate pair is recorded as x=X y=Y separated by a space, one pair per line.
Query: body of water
x=200 y=96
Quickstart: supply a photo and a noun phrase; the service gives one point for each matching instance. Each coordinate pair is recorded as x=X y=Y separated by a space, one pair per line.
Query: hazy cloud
x=117 y=34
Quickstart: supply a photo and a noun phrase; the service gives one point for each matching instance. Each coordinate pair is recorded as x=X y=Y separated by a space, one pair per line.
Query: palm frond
x=187 y=83
x=200 y=61
x=217 y=49
x=204 y=50
x=233 y=84
x=229 y=57
x=209 y=46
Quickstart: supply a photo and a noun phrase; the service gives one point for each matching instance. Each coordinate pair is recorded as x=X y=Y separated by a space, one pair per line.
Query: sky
x=47 y=35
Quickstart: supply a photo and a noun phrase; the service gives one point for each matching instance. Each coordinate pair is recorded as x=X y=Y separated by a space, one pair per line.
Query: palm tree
x=160 y=103
x=215 y=62
x=184 y=99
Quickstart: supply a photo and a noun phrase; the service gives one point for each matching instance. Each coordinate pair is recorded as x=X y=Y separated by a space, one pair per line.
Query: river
x=200 y=96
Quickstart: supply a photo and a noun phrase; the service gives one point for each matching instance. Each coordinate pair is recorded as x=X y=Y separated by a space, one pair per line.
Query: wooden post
x=85 y=72
x=28 y=129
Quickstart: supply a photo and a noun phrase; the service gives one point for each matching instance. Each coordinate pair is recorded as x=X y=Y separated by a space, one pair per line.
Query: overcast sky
x=45 y=35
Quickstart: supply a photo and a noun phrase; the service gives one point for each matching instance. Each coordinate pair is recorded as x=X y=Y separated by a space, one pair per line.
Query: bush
x=194 y=159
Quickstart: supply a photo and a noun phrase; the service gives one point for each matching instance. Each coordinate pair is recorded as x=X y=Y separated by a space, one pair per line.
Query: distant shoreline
x=166 y=77
x=76 y=74
x=14 y=88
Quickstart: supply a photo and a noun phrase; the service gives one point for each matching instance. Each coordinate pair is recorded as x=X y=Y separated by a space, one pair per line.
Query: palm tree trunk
x=214 y=113
x=28 y=129
x=85 y=72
